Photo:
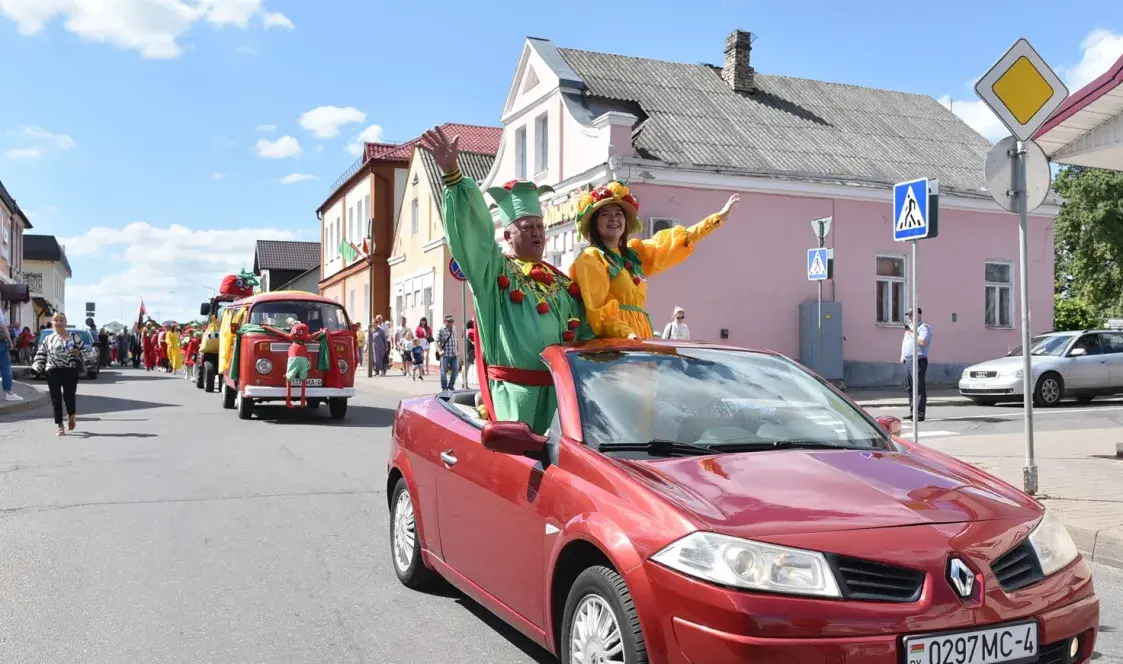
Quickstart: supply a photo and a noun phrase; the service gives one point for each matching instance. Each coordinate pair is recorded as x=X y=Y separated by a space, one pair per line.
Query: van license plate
x=1008 y=644
x=311 y=382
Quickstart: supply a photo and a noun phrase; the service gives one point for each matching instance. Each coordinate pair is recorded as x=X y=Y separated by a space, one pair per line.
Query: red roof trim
x=1075 y=103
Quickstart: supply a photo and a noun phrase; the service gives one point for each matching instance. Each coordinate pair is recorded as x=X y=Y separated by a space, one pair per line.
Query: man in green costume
x=523 y=304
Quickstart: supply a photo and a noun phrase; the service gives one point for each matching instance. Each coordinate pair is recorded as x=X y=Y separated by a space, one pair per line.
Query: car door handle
x=448 y=458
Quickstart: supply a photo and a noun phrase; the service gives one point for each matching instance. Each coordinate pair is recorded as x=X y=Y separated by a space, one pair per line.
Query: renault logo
x=961 y=577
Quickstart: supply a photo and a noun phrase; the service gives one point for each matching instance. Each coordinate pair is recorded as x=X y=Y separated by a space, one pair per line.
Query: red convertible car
x=697 y=504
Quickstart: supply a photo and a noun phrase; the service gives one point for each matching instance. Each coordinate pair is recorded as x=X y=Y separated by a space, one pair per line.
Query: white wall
x=329 y=243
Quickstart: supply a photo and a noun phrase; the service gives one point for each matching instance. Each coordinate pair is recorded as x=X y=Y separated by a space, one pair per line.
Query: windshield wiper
x=657 y=447
x=792 y=444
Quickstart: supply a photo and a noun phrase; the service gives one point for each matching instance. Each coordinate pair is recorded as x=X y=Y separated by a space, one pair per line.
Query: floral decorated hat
x=518 y=199
x=614 y=192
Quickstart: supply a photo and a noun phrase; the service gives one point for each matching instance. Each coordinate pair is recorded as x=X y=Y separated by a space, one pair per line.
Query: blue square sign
x=910 y=210
x=817 y=264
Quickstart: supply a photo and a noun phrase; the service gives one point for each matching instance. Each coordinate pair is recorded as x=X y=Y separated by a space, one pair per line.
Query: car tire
x=980 y=401
x=229 y=396
x=245 y=406
x=338 y=408
x=405 y=545
x=1049 y=391
x=199 y=376
x=209 y=373
x=596 y=590
x=92 y=376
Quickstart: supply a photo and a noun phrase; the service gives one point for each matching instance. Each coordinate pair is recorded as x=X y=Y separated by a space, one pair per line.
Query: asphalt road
x=170 y=531
x=969 y=419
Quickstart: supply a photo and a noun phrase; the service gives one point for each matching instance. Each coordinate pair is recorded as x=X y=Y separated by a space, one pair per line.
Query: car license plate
x=311 y=382
x=976 y=385
x=1008 y=644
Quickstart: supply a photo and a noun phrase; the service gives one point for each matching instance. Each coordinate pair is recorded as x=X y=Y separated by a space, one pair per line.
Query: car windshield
x=712 y=398
x=316 y=315
x=1046 y=344
x=82 y=334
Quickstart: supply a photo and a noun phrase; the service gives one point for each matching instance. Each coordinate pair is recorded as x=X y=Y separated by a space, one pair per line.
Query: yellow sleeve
x=669 y=247
x=590 y=271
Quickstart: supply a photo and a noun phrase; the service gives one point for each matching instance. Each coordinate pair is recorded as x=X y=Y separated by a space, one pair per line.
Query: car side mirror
x=205 y=309
x=1078 y=352
x=891 y=424
x=513 y=438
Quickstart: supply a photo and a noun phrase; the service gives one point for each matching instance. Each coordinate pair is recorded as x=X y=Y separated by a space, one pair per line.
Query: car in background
x=708 y=504
x=1080 y=365
x=90 y=357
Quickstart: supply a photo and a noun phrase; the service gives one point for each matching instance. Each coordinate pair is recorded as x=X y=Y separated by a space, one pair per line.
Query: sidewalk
x=403 y=387
x=1079 y=475
x=888 y=398
x=32 y=399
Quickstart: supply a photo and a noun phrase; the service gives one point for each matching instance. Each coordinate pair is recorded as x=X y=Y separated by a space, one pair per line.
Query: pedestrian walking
x=403 y=344
x=23 y=345
x=424 y=334
x=103 y=355
x=918 y=340
x=677 y=329
x=122 y=343
x=6 y=346
x=447 y=354
x=469 y=350
x=58 y=357
x=379 y=347
x=417 y=354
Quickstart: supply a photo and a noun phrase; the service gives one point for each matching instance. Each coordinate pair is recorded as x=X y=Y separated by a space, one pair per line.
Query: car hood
x=1013 y=363
x=783 y=492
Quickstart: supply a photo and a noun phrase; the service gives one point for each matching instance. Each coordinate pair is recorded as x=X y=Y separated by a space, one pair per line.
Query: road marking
x=925 y=433
x=1036 y=411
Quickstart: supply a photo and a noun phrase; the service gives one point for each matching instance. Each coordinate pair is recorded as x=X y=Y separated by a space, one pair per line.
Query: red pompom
x=574 y=323
x=517 y=296
x=568 y=336
x=543 y=307
x=509 y=184
x=541 y=276
x=504 y=282
x=631 y=200
x=636 y=280
x=627 y=265
x=574 y=289
x=547 y=279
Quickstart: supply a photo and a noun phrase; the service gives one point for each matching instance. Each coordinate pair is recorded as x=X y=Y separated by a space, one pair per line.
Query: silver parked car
x=1079 y=365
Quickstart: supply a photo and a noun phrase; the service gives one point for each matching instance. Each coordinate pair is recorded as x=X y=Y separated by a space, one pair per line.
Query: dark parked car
x=89 y=368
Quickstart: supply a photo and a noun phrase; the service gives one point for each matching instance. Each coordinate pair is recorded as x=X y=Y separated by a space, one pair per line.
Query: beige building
x=421 y=282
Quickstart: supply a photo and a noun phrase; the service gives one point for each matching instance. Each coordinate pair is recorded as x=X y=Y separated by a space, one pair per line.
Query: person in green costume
x=523 y=304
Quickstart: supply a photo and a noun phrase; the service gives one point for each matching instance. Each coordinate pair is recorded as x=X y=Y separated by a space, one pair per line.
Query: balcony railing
x=347 y=174
x=34 y=281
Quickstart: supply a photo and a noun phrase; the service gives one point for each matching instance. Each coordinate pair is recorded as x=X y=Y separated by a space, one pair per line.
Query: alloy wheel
x=405 y=533
x=596 y=636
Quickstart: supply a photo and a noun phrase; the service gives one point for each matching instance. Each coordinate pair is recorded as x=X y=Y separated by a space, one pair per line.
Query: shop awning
x=43 y=304
x=1087 y=130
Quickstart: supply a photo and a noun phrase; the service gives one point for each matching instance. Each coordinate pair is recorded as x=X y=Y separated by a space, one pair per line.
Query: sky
x=159 y=139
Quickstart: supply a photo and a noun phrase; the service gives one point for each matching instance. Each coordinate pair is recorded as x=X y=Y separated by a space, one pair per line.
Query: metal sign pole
x=915 y=351
x=819 y=346
x=1018 y=162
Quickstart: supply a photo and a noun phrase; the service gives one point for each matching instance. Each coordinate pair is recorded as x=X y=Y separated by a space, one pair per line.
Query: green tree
x=1075 y=314
x=1088 y=238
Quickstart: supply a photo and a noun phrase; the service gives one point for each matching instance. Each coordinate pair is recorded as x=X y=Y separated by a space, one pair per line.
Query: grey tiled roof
x=286 y=255
x=473 y=164
x=789 y=127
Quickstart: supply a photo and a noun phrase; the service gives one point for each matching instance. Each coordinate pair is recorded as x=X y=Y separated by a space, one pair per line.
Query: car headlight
x=1053 y=545
x=739 y=563
x=263 y=366
x=343 y=366
x=965 y=373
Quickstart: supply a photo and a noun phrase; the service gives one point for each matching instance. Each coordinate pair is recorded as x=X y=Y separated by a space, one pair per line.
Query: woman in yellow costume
x=175 y=353
x=612 y=272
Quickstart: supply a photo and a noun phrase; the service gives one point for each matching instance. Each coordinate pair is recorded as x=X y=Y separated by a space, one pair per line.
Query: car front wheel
x=405 y=546
x=601 y=623
x=1050 y=389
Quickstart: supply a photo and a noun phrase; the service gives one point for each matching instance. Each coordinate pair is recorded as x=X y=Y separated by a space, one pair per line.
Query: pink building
x=686 y=136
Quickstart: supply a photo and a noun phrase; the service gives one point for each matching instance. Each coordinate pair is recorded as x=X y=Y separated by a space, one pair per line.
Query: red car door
x=490 y=527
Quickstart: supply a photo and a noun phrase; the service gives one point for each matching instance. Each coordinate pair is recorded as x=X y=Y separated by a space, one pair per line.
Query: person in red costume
x=148 y=347
x=190 y=350
x=162 y=348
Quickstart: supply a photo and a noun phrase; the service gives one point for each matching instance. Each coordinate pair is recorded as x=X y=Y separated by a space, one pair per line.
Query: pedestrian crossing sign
x=910 y=211
x=817 y=261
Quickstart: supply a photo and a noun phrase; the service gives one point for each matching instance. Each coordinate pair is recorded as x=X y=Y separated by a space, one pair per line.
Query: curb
x=36 y=399
x=1099 y=546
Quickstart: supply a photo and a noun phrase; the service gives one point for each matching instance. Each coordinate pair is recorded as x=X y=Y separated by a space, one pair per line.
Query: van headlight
x=343 y=367
x=263 y=366
x=1053 y=545
x=740 y=563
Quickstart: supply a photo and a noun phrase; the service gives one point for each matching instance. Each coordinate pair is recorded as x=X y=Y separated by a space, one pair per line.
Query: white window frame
x=414 y=215
x=1009 y=285
x=365 y=219
x=520 y=153
x=541 y=144
x=892 y=280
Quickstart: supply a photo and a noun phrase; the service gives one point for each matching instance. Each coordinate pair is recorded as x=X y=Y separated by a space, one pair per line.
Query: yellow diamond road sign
x=1022 y=90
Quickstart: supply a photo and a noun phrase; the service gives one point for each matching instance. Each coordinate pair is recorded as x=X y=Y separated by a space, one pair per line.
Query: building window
x=520 y=153
x=999 y=294
x=338 y=236
x=364 y=219
x=891 y=288
x=542 y=144
x=414 y=216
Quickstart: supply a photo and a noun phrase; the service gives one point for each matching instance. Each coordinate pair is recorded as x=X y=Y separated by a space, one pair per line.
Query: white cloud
x=58 y=141
x=172 y=268
x=267 y=128
x=297 y=177
x=218 y=176
x=276 y=20
x=150 y=27
x=283 y=147
x=1100 y=49
x=371 y=134
x=24 y=153
x=325 y=121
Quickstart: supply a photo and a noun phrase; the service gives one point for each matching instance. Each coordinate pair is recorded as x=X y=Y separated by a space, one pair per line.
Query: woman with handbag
x=59 y=357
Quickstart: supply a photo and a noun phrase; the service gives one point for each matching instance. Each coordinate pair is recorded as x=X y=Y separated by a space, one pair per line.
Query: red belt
x=528 y=377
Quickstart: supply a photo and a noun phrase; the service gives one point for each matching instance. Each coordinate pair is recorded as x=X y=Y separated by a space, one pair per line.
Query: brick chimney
x=737 y=73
